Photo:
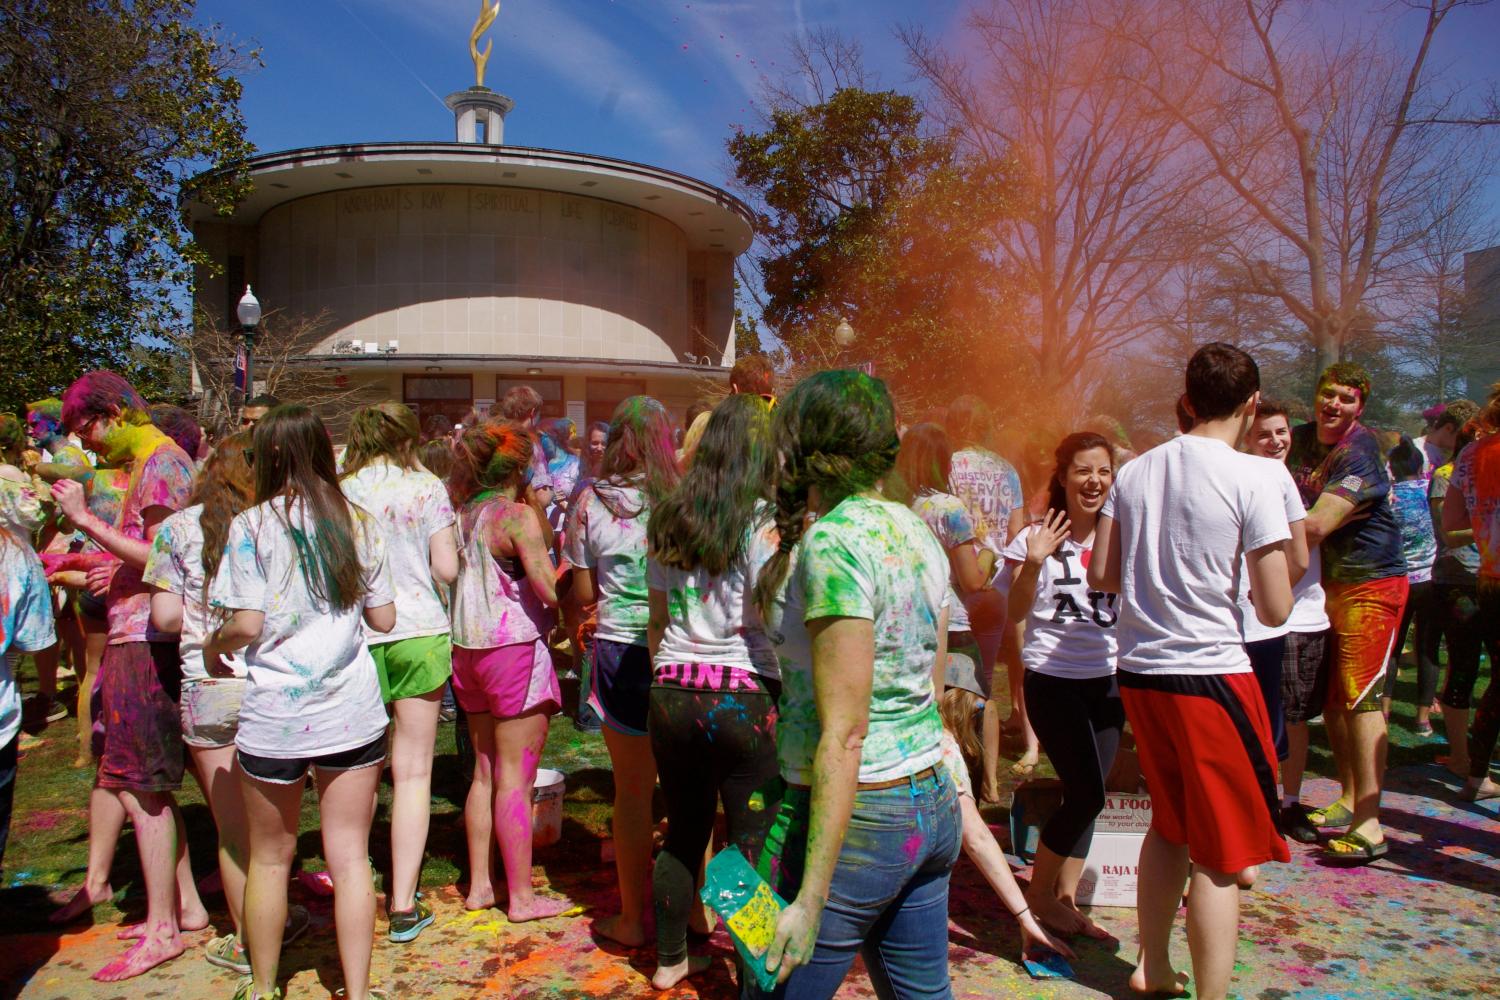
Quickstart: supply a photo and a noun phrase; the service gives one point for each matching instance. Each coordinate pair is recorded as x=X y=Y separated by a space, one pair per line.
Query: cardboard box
x=1113 y=863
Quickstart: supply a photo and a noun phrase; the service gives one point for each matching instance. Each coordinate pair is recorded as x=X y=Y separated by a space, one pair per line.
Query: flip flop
x=1332 y=815
x=1362 y=852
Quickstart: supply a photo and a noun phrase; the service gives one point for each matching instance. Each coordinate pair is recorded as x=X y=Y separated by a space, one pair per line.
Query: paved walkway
x=1425 y=922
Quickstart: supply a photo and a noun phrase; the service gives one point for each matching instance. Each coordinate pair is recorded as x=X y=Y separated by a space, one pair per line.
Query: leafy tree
x=866 y=217
x=106 y=106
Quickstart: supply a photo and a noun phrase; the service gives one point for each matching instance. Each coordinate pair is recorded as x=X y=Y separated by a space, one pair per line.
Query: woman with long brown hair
x=502 y=669
x=713 y=696
x=184 y=557
x=415 y=659
x=302 y=572
x=606 y=544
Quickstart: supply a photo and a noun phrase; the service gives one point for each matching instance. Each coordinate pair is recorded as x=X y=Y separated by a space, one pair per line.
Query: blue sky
x=648 y=80
x=657 y=81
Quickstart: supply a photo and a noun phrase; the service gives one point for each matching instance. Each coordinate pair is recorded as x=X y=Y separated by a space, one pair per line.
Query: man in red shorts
x=1340 y=470
x=1169 y=542
x=141 y=759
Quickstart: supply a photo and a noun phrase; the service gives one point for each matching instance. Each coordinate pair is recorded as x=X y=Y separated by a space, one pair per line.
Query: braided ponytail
x=835 y=430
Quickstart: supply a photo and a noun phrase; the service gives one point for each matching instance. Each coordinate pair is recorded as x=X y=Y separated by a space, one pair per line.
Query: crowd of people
x=790 y=611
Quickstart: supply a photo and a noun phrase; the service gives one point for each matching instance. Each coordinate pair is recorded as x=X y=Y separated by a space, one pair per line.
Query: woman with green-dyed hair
x=855 y=601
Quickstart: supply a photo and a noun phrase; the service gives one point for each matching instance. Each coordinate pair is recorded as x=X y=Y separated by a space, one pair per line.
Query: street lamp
x=248 y=312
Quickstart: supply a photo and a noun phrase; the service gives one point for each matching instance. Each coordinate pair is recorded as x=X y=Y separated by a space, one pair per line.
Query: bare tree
x=1309 y=128
x=283 y=365
x=1112 y=182
x=1439 y=339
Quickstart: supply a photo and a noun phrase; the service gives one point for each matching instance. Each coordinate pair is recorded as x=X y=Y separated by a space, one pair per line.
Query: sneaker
x=246 y=991
x=407 y=924
x=227 y=953
x=1295 y=824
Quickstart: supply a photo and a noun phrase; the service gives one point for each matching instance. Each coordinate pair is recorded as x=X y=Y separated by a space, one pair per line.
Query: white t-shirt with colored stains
x=26 y=624
x=873 y=559
x=953 y=525
x=312 y=688
x=713 y=618
x=410 y=505
x=613 y=545
x=175 y=565
x=990 y=489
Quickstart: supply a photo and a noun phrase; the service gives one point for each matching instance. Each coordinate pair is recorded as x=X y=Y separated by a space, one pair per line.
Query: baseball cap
x=959 y=673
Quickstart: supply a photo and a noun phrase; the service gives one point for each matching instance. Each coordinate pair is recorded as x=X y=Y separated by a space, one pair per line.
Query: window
x=551 y=390
x=604 y=394
x=480 y=121
x=450 y=395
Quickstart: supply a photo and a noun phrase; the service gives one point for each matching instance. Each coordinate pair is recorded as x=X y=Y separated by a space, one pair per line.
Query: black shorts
x=291 y=770
x=621 y=688
x=1304 y=675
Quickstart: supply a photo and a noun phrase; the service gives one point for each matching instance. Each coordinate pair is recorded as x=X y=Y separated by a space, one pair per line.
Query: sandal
x=1331 y=815
x=1359 y=849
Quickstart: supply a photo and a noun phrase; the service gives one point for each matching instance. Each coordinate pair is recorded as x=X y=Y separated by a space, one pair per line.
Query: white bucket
x=547 y=807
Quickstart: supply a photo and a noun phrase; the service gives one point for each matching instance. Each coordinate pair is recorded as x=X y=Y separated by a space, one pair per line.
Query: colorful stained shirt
x=1456 y=566
x=493 y=604
x=990 y=488
x=949 y=520
x=411 y=506
x=175 y=565
x=955 y=765
x=873 y=559
x=1354 y=469
x=311 y=684
x=26 y=624
x=1418 y=540
x=1476 y=476
x=21 y=511
x=612 y=543
x=713 y=619
x=563 y=471
x=163 y=479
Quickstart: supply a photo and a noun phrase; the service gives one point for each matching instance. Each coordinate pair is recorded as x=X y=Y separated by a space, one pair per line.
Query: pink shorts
x=506 y=681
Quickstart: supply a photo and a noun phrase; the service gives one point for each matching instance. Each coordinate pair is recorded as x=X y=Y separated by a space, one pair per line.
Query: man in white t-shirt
x=1169 y=542
x=1302 y=653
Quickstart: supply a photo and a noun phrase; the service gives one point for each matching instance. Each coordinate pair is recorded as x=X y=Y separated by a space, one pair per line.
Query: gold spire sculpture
x=487 y=14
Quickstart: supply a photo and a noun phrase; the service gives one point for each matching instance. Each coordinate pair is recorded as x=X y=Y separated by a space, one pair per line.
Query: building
x=1482 y=320
x=452 y=271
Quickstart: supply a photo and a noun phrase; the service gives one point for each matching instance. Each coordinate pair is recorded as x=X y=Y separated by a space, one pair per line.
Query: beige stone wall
x=487 y=270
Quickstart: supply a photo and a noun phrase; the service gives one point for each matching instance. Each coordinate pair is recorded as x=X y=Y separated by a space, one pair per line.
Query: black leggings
x=1485 y=729
x=1459 y=616
x=1078 y=723
x=710 y=746
x=1421 y=608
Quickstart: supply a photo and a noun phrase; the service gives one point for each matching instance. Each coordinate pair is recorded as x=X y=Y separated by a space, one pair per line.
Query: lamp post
x=248 y=312
x=843 y=335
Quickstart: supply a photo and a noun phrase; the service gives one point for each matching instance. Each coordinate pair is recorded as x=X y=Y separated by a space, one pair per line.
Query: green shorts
x=410 y=668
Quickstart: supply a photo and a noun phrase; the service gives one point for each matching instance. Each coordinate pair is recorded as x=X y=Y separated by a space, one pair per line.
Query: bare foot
x=82 y=902
x=480 y=897
x=1486 y=789
x=990 y=796
x=1173 y=984
x=1057 y=917
x=668 y=976
x=621 y=931
x=144 y=955
x=193 y=921
x=1090 y=929
x=534 y=908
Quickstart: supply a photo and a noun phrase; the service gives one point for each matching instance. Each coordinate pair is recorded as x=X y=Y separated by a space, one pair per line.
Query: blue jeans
x=889 y=895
